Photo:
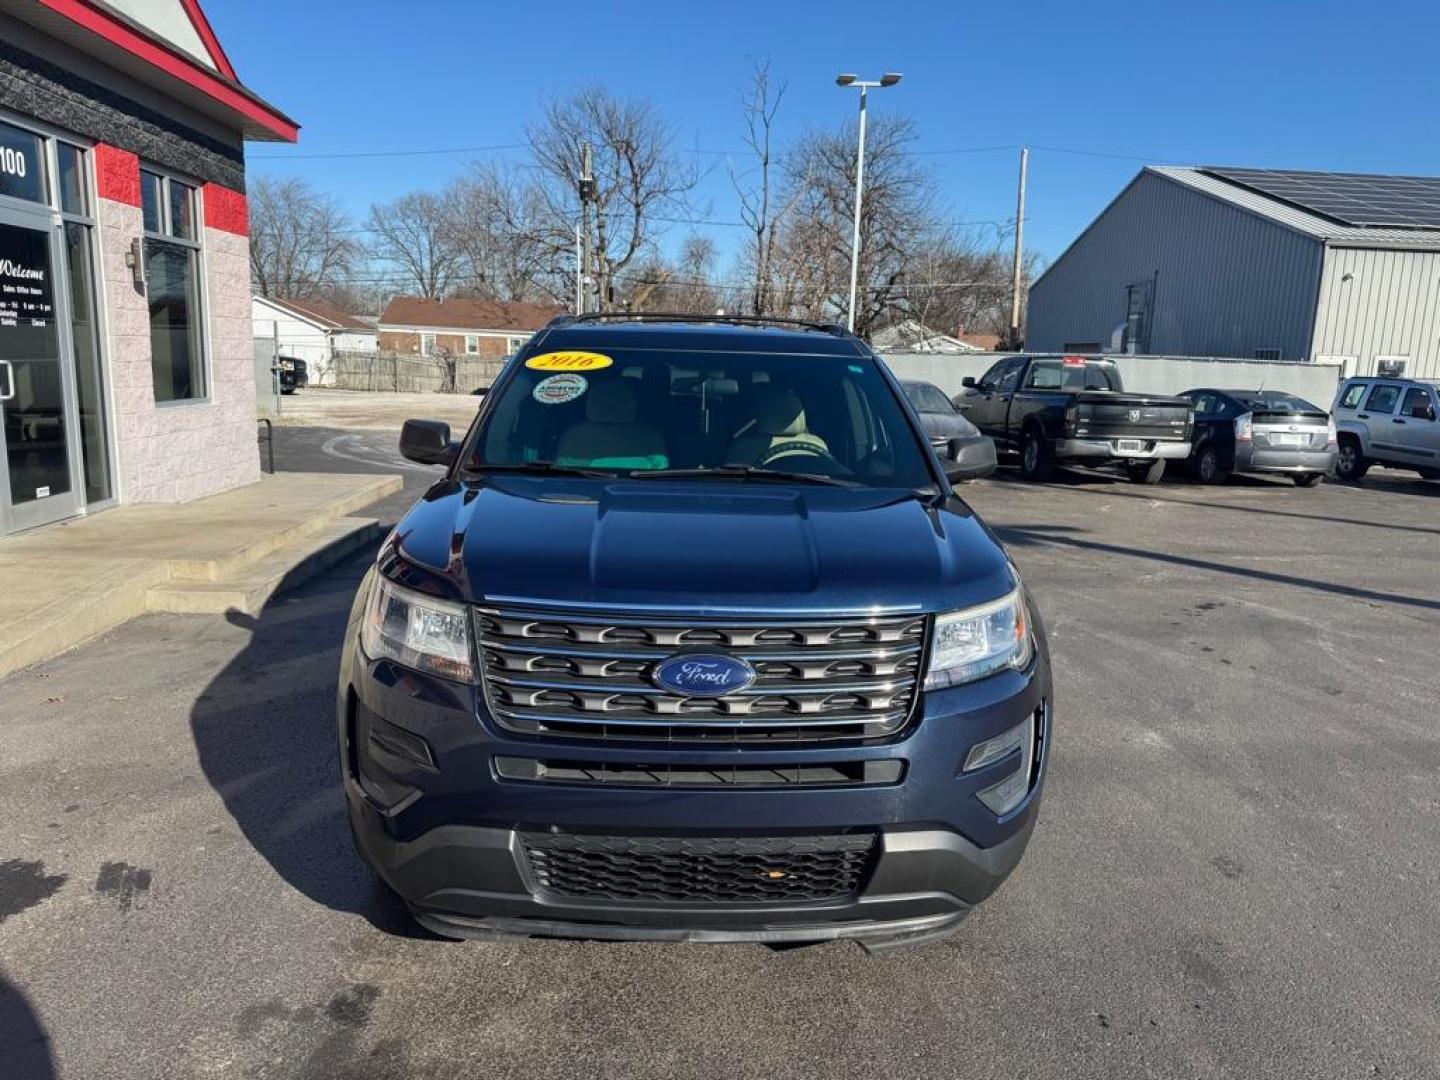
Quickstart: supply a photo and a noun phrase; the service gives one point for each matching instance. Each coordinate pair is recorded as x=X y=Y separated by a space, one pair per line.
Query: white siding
x=1228 y=282
x=1380 y=303
x=295 y=337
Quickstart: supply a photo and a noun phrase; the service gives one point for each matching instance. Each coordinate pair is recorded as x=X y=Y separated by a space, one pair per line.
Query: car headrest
x=778 y=412
x=610 y=403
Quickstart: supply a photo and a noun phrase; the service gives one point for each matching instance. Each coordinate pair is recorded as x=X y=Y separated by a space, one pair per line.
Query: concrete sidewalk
x=67 y=583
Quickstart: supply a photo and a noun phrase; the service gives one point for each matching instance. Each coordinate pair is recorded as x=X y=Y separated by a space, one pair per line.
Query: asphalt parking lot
x=1235 y=871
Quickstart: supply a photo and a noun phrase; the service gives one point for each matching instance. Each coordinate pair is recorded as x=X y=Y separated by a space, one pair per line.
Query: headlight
x=968 y=645
x=417 y=631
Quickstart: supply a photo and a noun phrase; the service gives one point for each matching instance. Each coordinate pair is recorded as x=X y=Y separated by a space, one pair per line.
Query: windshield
x=927 y=398
x=640 y=410
x=1275 y=401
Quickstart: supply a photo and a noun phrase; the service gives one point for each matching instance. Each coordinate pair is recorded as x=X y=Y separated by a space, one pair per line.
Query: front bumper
x=1256 y=460
x=448 y=837
x=1150 y=449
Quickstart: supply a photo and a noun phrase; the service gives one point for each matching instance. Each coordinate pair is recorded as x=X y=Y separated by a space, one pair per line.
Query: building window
x=22 y=164
x=427 y=344
x=472 y=343
x=514 y=345
x=172 y=283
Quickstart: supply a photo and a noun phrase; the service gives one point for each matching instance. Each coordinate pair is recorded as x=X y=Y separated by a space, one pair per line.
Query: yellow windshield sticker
x=569 y=361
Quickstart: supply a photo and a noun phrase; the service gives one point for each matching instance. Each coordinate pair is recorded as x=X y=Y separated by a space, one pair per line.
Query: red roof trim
x=173 y=63
x=207 y=35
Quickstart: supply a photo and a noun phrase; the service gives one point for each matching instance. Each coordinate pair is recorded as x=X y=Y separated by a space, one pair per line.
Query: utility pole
x=587 y=196
x=1019 y=250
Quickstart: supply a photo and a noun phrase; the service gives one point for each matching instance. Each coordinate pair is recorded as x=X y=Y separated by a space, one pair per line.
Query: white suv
x=1394 y=422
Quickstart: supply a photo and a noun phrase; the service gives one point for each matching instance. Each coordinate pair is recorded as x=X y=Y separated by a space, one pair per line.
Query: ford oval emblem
x=703 y=674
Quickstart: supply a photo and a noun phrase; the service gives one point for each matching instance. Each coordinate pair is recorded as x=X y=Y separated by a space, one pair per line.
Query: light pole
x=890 y=78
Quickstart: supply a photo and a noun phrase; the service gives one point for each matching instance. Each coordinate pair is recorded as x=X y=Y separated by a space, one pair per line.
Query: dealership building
x=126 y=364
x=1261 y=264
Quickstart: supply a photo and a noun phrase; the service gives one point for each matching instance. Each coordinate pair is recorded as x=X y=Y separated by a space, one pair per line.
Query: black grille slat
x=587 y=676
x=865 y=773
x=700 y=870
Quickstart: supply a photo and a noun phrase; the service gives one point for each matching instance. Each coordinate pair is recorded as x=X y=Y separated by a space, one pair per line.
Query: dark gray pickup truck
x=1055 y=409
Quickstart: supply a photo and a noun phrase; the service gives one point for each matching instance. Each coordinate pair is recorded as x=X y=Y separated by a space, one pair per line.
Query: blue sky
x=1311 y=85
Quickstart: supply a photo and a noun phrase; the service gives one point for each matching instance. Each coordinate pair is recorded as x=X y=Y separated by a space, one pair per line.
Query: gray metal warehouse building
x=1254 y=263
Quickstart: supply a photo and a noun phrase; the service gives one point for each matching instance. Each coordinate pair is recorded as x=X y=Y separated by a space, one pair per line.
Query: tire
x=1311 y=479
x=1037 y=461
x=1350 y=464
x=1208 y=468
x=1148 y=473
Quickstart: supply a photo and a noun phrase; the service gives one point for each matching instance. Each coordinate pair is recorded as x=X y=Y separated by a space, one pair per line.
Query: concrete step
x=248 y=587
x=253 y=549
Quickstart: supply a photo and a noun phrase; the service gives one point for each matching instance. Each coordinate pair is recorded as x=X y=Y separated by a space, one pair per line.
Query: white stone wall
x=178 y=452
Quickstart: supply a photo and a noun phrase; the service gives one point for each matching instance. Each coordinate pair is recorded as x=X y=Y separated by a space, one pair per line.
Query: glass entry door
x=38 y=443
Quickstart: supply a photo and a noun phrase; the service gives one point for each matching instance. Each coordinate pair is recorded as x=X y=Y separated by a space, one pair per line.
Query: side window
x=1010 y=376
x=1353 y=393
x=991 y=378
x=1044 y=376
x=1383 y=398
x=1204 y=404
x=1418 y=405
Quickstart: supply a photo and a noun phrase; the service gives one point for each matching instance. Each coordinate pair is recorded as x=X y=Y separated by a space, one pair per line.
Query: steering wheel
x=793 y=448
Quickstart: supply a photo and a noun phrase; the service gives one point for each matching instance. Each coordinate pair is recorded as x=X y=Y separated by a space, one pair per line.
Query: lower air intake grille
x=700 y=870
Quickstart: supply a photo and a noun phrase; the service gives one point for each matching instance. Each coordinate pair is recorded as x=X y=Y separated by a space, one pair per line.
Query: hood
x=706 y=546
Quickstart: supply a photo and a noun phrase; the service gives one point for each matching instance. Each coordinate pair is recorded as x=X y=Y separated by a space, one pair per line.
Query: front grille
x=699 y=870
x=588 y=677
x=872 y=773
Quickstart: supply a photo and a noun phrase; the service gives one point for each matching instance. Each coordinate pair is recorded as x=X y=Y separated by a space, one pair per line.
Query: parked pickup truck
x=1055 y=409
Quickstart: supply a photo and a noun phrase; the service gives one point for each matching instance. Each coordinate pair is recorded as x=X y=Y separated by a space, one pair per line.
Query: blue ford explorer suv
x=693 y=641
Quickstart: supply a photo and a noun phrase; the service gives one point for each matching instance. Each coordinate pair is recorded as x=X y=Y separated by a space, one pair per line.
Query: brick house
x=126 y=365
x=482 y=328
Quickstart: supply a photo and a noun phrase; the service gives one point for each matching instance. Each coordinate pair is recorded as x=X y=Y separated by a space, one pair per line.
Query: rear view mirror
x=968 y=382
x=427 y=442
x=969 y=459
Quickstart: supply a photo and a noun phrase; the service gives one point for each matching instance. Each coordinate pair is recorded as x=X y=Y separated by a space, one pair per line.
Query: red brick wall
x=117 y=174
x=405 y=341
x=226 y=210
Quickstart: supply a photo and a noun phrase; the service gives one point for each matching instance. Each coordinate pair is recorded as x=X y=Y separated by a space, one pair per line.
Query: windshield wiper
x=545 y=468
x=744 y=472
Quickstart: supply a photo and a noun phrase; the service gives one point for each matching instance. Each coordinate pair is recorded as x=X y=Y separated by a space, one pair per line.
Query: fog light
x=1009 y=793
x=983 y=753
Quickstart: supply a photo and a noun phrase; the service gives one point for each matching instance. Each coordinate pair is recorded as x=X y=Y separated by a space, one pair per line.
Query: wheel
x=1036 y=461
x=1309 y=479
x=1208 y=467
x=1350 y=463
x=1148 y=472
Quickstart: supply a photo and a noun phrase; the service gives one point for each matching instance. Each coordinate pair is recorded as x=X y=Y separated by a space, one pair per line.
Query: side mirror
x=969 y=459
x=968 y=382
x=427 y=442
x=1422 y=412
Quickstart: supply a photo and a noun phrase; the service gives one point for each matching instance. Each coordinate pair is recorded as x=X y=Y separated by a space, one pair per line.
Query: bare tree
x=638 y=176
x=897 y=211
x=499 y=228
x=763 y=206
x=302 y=245
x=684 y=285
x=412 y=234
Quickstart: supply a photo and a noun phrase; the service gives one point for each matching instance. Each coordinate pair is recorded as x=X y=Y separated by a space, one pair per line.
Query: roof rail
x=689 y=317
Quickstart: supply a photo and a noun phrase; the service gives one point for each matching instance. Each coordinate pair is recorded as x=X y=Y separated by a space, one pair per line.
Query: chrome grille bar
x=587 y=676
